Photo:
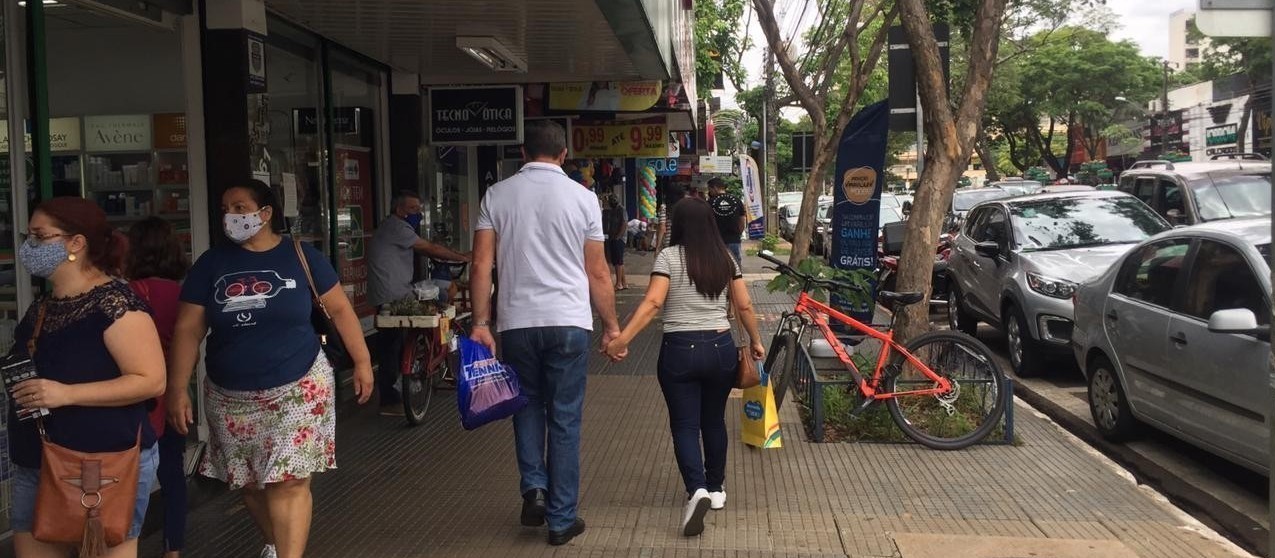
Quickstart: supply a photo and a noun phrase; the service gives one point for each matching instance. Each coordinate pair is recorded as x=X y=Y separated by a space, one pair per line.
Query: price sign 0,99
x=636 y=139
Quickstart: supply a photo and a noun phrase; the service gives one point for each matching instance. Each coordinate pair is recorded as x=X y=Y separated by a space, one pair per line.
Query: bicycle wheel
x=418 y=381
x=781 y=364
x=961 y=417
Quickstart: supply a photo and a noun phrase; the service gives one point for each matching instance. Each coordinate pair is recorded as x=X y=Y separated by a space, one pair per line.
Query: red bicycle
x=943 y=389
x=430 y=359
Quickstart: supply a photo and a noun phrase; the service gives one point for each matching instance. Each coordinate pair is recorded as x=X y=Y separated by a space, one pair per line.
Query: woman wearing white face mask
x=270 y=396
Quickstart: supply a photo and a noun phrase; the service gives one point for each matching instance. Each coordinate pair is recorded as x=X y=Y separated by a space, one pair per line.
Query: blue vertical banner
x=754 y=205
x=856 y=198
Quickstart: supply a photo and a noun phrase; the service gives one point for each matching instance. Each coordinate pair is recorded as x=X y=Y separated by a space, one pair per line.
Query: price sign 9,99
x=619 y=140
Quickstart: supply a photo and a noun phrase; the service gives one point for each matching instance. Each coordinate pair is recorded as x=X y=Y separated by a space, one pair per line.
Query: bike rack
x=808 y=380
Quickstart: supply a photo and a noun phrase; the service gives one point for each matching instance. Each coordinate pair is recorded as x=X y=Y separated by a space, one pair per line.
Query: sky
x=1145 y=22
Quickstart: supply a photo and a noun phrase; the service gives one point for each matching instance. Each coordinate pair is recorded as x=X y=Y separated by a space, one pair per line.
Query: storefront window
x=294 y=82
x=123 y=145
x=8 y=279
x=450 y=215
x=356 y=106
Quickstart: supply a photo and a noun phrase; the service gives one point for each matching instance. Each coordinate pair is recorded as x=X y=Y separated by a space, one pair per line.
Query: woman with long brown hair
x=156 y=265
x=691 y=281
x=99 y=361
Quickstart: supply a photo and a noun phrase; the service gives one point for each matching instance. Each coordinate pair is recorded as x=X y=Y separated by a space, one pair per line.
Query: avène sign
x=130 y=132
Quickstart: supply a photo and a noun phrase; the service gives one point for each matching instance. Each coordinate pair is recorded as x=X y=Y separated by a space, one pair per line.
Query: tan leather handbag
x=85 y=498
x=747 y=375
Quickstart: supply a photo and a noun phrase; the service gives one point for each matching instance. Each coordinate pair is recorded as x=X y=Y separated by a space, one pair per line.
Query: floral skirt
x=272 y=435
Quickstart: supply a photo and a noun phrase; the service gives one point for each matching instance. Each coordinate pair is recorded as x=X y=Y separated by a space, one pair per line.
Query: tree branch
x=766 y=16
x=849 y=37
x=984 y=42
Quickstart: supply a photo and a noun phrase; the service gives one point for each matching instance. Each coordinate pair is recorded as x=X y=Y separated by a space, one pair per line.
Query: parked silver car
x=1177 y=335
x=788 y=215
x=1193 y=193
x=1018 y=260
x=965 y=199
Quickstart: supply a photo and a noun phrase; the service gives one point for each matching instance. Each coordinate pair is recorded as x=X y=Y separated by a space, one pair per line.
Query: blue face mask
x=41 y=260
x=414 y=220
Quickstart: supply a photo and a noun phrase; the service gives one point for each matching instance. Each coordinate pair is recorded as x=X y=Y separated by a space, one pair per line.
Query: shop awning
x=559 y=40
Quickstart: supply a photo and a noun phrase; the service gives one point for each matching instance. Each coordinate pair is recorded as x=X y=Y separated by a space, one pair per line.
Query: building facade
x=155 y=108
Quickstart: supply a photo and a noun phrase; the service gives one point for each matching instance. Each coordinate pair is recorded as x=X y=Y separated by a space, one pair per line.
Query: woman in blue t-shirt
x=99 y=360
x=270 y=397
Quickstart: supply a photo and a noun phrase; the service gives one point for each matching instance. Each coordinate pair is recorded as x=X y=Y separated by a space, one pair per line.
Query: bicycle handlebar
x=809 y=279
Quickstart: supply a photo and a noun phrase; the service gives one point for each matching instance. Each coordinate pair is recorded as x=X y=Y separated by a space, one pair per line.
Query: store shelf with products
x=131 y=186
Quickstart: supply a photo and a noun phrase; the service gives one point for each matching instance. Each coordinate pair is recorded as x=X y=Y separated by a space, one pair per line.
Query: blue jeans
x=26 y=481
x=696 y=372
x=551 y=363
x=735 y=251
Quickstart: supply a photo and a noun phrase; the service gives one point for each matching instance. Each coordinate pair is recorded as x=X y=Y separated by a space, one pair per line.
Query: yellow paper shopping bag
x=761 y=418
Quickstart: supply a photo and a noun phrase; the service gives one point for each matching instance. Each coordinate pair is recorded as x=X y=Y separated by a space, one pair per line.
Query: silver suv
x=1017 y=261
x=1234 y=186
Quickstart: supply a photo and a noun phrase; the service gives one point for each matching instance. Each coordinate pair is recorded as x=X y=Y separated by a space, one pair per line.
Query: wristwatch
x=484 y=323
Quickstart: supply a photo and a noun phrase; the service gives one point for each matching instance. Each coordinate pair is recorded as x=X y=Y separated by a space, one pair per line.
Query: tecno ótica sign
x=475 y=115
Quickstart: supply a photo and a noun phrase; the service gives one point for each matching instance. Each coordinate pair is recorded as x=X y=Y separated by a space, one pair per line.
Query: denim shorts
x=26 y=480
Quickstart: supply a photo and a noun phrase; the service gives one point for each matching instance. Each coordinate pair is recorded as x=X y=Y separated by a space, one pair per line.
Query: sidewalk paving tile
x=948 y=546
x=437 y=490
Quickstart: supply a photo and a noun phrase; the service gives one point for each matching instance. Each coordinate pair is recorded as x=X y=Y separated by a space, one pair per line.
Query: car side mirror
x=1238 y=320
x=988 y=249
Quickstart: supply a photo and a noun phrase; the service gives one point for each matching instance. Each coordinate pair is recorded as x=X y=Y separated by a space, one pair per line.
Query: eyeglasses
x=33 y=238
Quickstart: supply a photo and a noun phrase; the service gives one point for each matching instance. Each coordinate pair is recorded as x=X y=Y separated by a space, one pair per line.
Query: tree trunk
x=987 y=157
x=952 y=138
x=1071 y=146
x=1046 y=151
x=824 y=148
x=916 y=263
x=1016 y=157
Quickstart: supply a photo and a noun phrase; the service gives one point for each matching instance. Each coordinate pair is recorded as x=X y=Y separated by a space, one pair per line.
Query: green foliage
x=1226 y=56
x=1066 y=77
x=872 y=425
x=719 y=42
x=769 y=242
x=409 y=306
x=1094 y=173
x=1175 y=157
x=1038 y=174
x=816 y=268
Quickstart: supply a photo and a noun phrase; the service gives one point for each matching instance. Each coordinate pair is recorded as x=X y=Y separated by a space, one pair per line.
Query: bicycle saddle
x=901 y=299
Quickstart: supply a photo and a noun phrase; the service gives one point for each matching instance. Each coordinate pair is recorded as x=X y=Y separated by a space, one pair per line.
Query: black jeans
x=696 y=373
x=389 y=356
x=172 y=479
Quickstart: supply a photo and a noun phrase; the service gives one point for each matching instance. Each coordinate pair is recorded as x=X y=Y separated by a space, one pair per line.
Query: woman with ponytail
x=99 y=361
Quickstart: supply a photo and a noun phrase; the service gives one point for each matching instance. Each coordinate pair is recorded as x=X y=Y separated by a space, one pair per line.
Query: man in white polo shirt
x=543 y=233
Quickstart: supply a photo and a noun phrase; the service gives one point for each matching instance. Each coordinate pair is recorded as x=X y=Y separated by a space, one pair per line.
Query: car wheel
x=1024 y=356
x=958 y=318
x=1108 y=404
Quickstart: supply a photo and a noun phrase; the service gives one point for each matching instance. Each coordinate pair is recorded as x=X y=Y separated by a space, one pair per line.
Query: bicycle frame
x=436 y=349
x=809 y=310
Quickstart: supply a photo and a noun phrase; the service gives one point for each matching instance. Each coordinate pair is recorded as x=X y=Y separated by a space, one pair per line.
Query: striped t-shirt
x=685 y=309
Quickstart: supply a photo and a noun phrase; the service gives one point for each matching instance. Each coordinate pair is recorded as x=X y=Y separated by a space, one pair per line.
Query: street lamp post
x=1164 y=108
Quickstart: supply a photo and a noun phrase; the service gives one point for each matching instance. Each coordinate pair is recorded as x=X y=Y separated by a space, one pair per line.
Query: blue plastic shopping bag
x=488 y=390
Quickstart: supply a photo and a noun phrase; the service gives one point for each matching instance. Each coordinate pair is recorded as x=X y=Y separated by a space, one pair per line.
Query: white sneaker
x=696 y=508
x=268 y=552
x=718 y=499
